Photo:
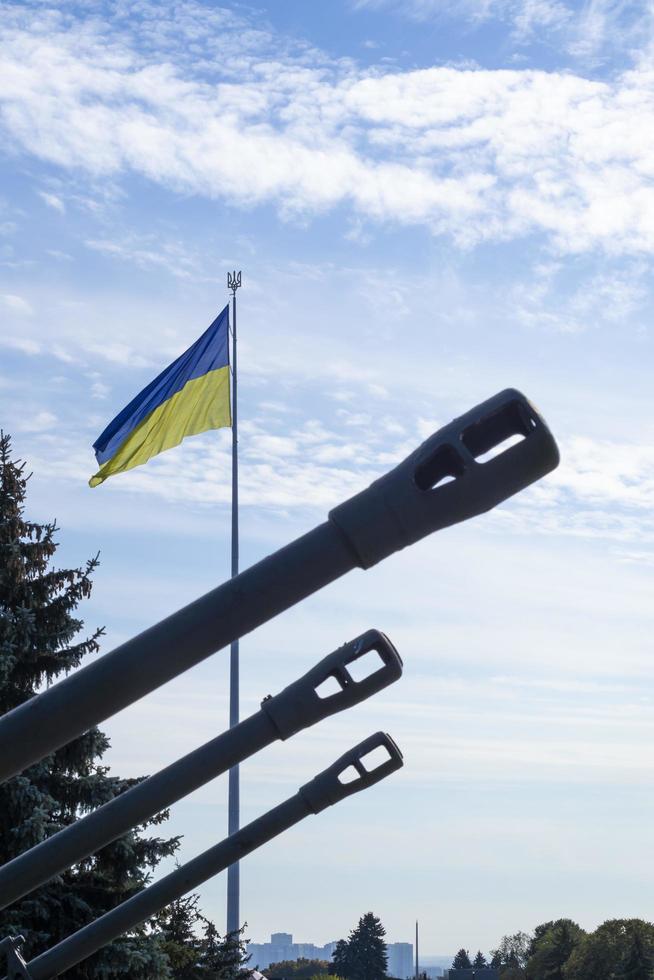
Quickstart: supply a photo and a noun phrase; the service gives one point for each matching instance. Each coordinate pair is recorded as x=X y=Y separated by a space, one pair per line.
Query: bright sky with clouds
x=430 y=202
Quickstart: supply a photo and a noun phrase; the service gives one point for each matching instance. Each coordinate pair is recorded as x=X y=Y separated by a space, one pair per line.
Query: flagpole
x=233 y=799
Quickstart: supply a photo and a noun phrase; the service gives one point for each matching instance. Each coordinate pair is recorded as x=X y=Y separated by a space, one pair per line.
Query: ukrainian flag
x=190 y=396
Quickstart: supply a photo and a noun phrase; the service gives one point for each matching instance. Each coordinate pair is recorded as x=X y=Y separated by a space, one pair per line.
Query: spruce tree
x=368 y=959
x=39 y=640
x=462 y=960
x=480 y=959
x=224 y=958
x=194 y=948
x=341 y=960
x=176 y=927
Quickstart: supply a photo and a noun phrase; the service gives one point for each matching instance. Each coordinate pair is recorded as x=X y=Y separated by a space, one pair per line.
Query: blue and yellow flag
x=190 y=396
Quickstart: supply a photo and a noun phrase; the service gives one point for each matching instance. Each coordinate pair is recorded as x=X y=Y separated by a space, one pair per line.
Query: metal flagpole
x=233 y=804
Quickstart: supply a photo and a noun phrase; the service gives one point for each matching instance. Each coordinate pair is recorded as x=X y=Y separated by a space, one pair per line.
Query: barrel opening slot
x=440 y=468
x=375 y=758
x=364 y=666
x=329 y=687
x=349 y=775
x=496 y=433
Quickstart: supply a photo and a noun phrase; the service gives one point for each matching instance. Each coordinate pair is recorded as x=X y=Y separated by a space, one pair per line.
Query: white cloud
x=99 y=390
x=587 y=31
x=603 y=489
x=23 y=344
x=16 y=304
x=608 y=297
x=474 y=154
x=53 y=201
x=119 y=353
x=40 y=422
x=608 y=473
x=605 y=23
x=151 y=254
x=524 y=15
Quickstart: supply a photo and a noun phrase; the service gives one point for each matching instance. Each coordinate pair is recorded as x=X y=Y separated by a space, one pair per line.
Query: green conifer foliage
x=462 y=960
x=39 y=640
x=363 y=955
x=176 y=926
x=368 y=946
x=341 y=960
x=224 y=958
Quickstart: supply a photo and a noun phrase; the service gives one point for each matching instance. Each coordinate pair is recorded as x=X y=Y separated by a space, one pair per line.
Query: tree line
x=619 y=949
x=40 y=640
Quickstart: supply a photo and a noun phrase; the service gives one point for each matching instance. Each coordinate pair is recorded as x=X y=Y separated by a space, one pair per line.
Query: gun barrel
x=296 y=707
x=324 y=790
x=190 y=635
x=443 y=482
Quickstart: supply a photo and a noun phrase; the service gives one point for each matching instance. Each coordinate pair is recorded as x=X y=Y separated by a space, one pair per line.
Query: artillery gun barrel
x=324 y=790
x=298 y=706
x=443 y=482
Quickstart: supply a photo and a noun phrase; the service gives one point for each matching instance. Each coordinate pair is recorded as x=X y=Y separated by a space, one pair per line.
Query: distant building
x=400 y=960
x=281 y=947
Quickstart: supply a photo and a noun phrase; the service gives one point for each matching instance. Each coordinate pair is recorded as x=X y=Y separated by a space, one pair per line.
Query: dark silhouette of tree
x=39 y=640
x=461 y=961
x=341 y=964
x=367 y=950
x=480 y=959
x=363 y=955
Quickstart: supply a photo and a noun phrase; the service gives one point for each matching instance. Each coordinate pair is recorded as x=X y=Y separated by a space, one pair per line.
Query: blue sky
x=430 y=202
